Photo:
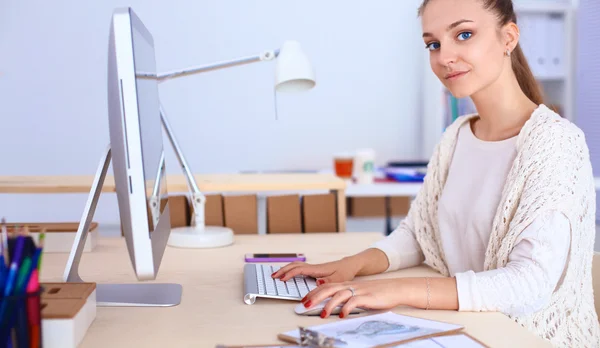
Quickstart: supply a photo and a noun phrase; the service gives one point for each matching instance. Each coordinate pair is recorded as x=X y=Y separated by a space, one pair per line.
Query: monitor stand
x=115 y=295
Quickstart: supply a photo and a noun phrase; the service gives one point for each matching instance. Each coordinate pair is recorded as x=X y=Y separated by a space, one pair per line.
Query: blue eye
x=433 y=46
x=465 y=35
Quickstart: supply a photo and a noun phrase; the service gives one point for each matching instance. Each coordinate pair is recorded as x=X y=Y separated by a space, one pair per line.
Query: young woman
x=507 y=209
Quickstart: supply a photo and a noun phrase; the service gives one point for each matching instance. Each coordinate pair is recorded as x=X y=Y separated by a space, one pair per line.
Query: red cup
x=344 y=165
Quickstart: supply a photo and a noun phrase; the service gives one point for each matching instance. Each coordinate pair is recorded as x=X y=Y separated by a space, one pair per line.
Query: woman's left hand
x=374 y=294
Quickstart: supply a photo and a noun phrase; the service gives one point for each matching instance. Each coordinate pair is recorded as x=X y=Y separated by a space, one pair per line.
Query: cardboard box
x=180 y=210
x=375 y=206
x=319 y=213
x=283 y=214
x=213 y=211
x=241 y=214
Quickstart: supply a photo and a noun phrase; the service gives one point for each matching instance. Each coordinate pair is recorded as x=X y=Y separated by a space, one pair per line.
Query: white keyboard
x=258 y=283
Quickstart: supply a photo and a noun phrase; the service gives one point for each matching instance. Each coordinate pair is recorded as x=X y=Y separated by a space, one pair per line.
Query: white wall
x=367 y=57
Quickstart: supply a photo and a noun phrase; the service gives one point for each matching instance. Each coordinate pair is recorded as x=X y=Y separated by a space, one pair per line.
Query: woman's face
x=466 y=52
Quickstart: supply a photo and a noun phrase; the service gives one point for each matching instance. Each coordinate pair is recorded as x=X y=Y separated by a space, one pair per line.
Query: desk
x=212 y=310
x=207 y=183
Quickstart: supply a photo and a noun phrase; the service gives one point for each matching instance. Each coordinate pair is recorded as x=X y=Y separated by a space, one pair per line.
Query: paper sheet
x=385 y=328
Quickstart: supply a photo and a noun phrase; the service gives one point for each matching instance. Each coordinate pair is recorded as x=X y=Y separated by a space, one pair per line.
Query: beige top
x=470 y=197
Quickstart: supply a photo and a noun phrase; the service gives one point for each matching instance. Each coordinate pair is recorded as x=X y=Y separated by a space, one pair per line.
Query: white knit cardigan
x=552 y=171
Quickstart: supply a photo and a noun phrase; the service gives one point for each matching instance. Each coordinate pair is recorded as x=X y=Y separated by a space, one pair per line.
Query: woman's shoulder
x=547 y=129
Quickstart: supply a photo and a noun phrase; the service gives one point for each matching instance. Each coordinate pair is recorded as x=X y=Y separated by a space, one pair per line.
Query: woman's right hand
x=330 y=272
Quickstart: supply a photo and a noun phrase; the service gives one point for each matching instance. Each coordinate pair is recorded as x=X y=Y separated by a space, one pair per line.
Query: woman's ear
x=510 y=36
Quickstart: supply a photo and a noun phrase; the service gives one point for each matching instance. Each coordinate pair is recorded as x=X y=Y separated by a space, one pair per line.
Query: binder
x=555 y=45
x=313 y=339
x=539 y=45
x=378 y=330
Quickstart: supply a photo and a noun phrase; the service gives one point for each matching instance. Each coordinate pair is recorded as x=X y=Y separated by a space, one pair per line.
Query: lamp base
x=200 y=237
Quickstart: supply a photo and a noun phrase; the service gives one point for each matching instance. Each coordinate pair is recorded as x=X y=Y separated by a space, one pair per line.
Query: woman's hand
x=330 y=272
x=374 y=294
x=368 y=262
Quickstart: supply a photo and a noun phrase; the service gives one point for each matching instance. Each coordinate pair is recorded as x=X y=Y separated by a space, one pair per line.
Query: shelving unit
x=558 y=87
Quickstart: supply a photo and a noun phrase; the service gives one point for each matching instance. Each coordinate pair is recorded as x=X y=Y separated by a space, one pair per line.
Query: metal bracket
x=313 y=339
x=198 y=203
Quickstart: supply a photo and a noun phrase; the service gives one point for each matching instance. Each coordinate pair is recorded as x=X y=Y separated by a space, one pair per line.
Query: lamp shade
x=293 y=72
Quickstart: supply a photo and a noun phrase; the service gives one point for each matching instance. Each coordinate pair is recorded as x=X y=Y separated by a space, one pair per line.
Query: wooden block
x=61 y=308
x=283 y=214
x=67 y=290
x=213 y=211
x=319 y=213
x=67 y=311
x=241 y=214
x=375 y=206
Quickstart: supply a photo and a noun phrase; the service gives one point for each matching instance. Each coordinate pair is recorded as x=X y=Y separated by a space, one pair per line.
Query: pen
x=5 y=254
x=24 y=271
x=41 y=248
x=12 y=273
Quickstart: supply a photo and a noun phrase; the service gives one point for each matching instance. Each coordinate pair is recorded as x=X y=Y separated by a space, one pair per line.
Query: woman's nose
x=447 y=57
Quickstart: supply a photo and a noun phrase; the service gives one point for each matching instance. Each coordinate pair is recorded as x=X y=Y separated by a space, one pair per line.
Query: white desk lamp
x=293 y=73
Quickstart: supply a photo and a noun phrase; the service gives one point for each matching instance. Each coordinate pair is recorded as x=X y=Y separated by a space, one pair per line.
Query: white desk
x=212 y=310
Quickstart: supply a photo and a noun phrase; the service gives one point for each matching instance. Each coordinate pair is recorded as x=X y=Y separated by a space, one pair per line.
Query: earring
x=508 y=52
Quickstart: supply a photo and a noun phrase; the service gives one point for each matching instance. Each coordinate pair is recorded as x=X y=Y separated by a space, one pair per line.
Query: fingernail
x=320 y=281
x=303 y=299
x=307 y=304
x=323 y=314
x=341 y=315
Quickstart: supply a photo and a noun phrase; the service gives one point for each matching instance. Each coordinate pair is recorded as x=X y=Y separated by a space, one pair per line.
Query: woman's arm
x=400 y=248
x=524 y=285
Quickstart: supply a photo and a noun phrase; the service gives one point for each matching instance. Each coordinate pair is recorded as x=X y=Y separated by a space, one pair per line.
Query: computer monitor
x=136 y=148
x=136 y=142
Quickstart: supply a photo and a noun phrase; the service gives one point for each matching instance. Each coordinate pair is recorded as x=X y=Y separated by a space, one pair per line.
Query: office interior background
x=374 y=88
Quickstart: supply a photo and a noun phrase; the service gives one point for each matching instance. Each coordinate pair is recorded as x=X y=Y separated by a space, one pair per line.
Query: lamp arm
x=266 y=55
x=198 y=199
x=155 y=197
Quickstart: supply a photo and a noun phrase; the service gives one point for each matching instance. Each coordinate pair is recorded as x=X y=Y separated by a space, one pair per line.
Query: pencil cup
x=20 y=320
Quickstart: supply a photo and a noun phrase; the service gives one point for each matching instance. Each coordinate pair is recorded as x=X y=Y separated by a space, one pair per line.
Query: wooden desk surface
x=177 y=183
x=212 y=310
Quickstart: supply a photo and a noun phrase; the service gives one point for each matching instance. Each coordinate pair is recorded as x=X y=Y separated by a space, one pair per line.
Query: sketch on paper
x=378 y=328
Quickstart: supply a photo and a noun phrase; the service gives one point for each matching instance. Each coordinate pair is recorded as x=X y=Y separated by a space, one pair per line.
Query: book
x=379 y=330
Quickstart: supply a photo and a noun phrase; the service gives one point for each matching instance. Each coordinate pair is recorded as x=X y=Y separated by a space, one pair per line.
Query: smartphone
x=275 y=257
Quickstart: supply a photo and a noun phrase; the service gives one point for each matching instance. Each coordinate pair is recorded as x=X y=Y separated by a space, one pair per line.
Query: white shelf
x=542 y=6
x=393 y=189
x=551 y=78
